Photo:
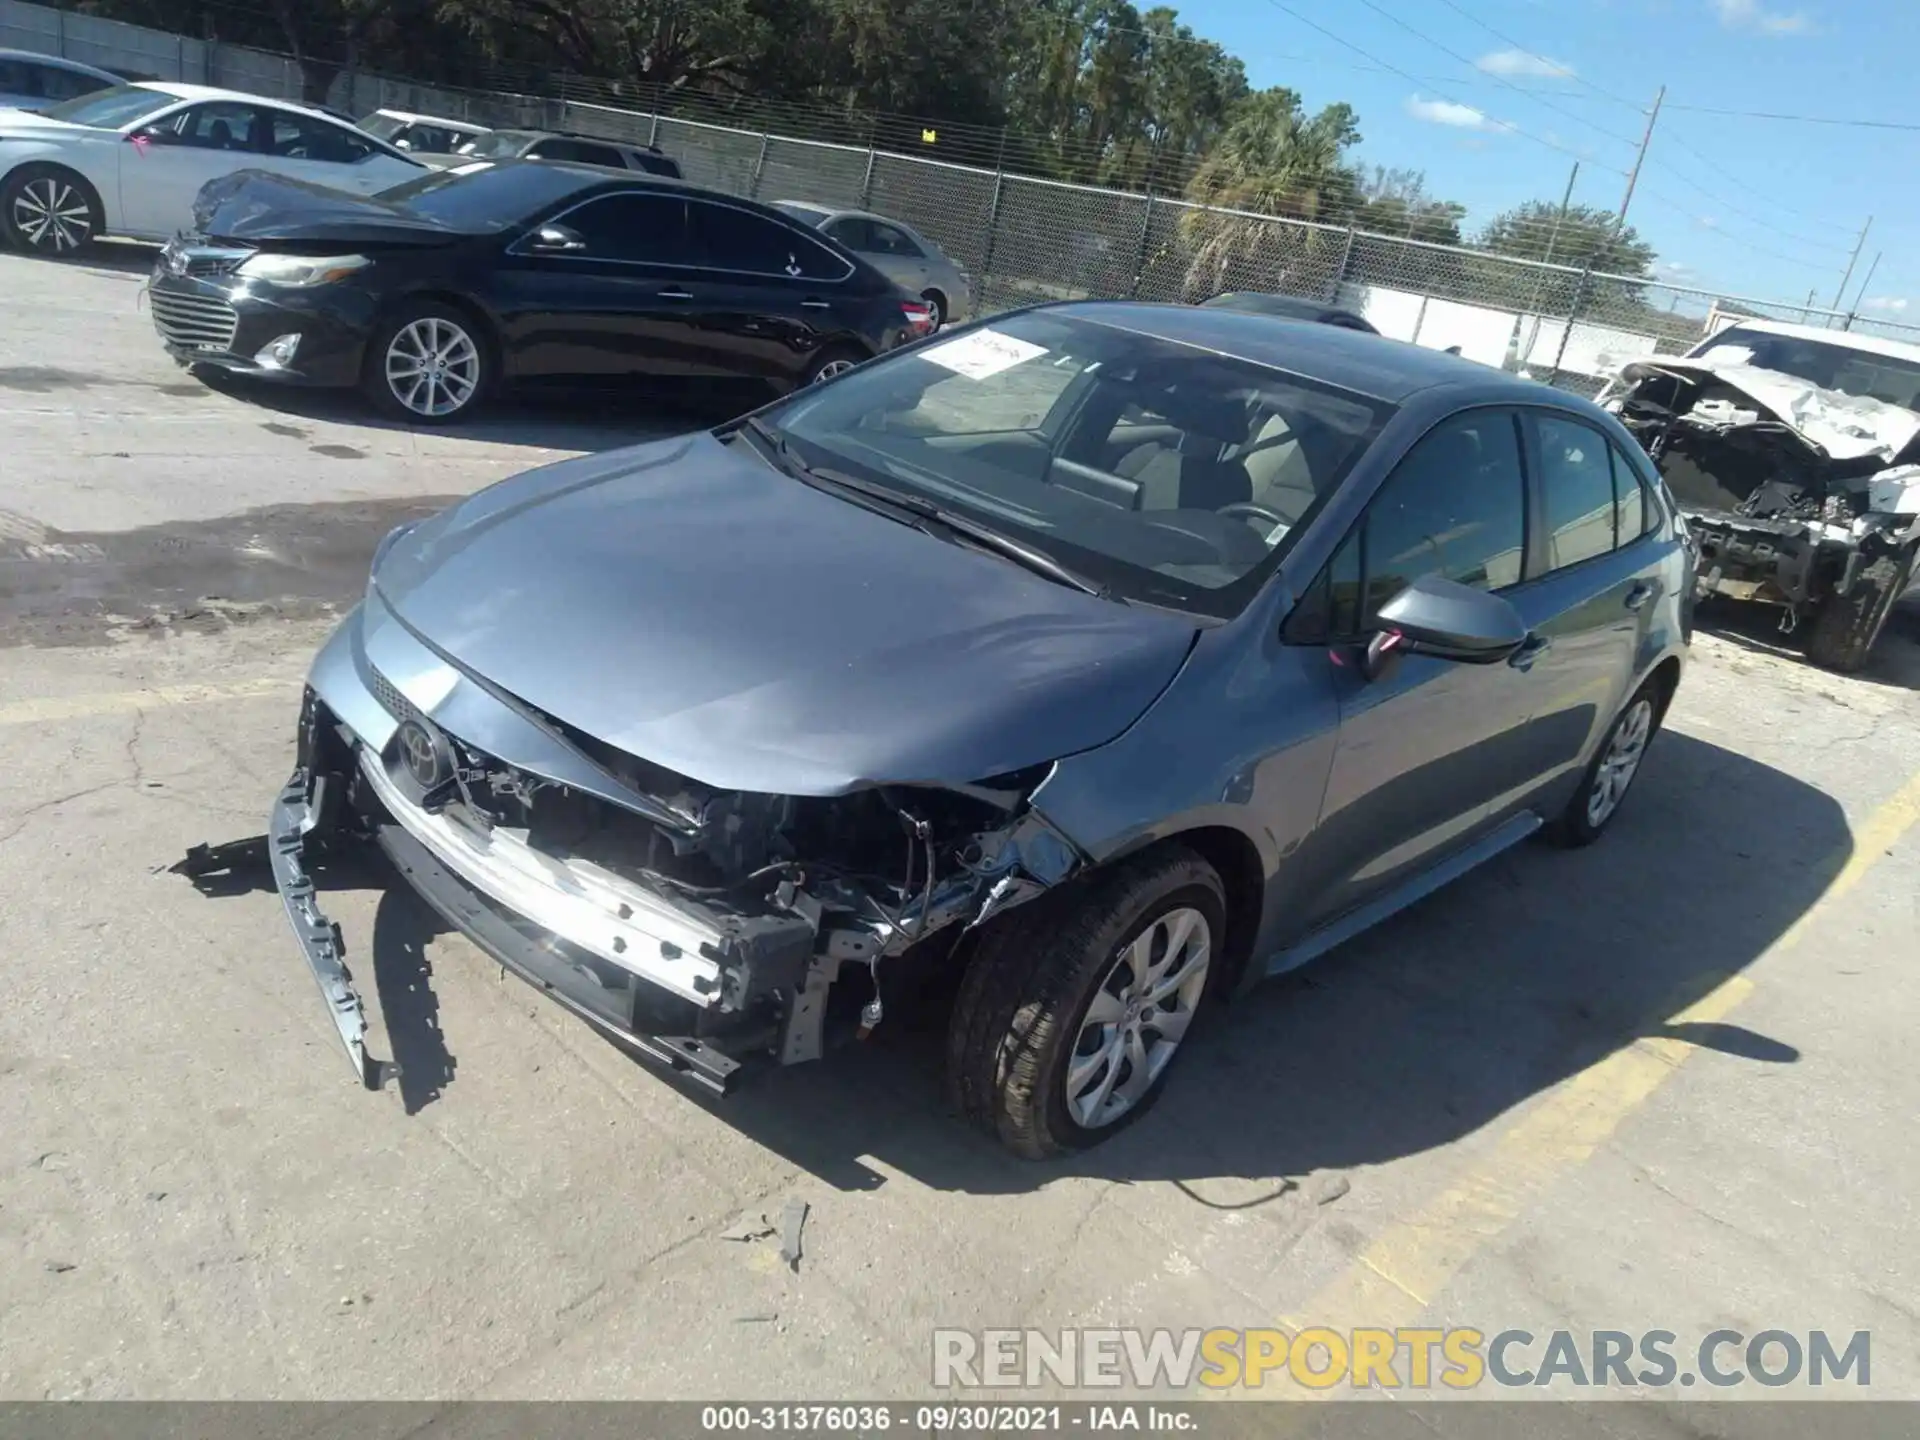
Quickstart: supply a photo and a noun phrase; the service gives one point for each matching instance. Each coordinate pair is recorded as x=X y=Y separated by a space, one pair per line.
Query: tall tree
x=1585 y=236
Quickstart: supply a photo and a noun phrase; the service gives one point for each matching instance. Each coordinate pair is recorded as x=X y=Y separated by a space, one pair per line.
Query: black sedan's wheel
x=46 y=210
x=428 y=364
x=1069 y=1018
x=831 y=363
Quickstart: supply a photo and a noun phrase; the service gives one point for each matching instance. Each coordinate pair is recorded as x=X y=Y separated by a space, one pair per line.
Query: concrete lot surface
x=1665 y=1083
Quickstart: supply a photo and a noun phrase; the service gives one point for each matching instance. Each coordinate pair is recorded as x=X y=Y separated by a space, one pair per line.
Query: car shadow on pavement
x=1424 y=1030
x=587 y=418
x=1894 y=660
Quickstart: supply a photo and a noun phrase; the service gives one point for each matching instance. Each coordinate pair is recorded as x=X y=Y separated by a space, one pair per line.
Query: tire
x=1616 y=761
x=399 y=376
x=1845 y=627
x=831 y=362
x=939 y=304
x=49 y=210
x=1026 y=1057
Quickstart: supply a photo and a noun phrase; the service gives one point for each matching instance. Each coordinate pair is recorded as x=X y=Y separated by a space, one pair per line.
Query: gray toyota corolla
x=1105 y=657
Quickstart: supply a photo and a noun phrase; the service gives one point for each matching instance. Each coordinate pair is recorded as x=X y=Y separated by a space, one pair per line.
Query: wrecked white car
x=1792 y=453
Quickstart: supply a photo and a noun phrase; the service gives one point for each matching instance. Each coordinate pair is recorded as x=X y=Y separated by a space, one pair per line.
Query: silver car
x=899 y=252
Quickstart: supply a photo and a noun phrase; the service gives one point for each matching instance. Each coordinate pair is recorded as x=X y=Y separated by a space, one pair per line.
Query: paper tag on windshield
x=983 y=353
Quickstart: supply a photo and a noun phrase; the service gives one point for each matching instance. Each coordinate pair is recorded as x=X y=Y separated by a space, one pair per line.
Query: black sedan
x=430 y=295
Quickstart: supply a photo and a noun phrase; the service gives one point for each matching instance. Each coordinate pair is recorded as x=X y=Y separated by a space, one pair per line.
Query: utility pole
x=1540 y=277
x=1861 y=294
x=1633 y=179
x=1852 y=260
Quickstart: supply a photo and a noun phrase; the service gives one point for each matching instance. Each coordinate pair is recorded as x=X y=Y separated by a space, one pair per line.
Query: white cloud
x=1885 y=302
x=1673 y=267
x=1524 y=62
x=1706 y=222
x=1450 y=112
x=1752 y=15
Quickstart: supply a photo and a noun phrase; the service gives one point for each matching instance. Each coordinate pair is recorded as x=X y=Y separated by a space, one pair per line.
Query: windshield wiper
x=923 y=514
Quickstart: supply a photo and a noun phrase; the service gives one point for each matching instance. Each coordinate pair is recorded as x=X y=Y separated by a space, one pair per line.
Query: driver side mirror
x=1445 y=619
x=556 y=240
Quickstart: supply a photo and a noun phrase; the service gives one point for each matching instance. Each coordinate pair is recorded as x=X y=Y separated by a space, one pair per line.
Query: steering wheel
x=1242 y=509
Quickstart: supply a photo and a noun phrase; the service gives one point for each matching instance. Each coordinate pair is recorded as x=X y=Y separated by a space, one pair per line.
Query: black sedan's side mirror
x=1447 y=620
x=556 y=240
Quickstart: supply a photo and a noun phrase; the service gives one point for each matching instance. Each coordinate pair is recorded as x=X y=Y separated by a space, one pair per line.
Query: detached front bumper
x=694 y=990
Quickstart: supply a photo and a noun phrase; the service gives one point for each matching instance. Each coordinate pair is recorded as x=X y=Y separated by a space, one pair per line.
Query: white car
x=129 y=161
x=899 y=252
x=421 y=134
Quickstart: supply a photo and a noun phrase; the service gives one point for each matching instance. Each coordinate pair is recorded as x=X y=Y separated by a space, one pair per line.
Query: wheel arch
x=1235 y=858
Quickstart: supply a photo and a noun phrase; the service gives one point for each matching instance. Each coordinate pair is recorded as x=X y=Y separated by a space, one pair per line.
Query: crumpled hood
x=686 y=603
x=259 y=207
x=1847 y=427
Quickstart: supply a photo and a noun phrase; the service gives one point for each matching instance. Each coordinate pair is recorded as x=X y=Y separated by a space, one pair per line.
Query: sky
x=1496 y=99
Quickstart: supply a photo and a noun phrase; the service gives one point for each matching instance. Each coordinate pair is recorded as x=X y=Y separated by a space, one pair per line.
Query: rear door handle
x=1531 y=649
x=1639 y=595
x=816 y=304
x=676 y=295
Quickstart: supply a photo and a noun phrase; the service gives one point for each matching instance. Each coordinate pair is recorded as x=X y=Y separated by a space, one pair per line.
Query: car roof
x=1848 y=339
x=61 y=62
x=1389 y=370
x=414 y=118
x=180 y=90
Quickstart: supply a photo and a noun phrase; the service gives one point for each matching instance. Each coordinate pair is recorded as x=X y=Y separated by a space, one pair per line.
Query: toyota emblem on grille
x=423 y=753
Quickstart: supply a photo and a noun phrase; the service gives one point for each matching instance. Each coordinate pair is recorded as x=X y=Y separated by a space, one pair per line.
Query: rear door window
x=301 y=137
x=891 y=240
x=740 y=241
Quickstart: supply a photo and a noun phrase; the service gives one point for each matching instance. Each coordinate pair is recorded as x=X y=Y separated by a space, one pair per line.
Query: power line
x=1288 y=10
x=1801 y=119
x=1507 y=39
x=1495 y=79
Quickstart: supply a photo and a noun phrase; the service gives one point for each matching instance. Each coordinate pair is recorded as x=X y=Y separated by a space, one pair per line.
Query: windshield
x=479 y=197
x=383 y=127
x=111 y=109
x=1821 y=363
x=1168 y=474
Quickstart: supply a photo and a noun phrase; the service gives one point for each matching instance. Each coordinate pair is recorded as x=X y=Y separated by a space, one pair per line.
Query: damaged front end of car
x=706 y=929
x=1790 y=494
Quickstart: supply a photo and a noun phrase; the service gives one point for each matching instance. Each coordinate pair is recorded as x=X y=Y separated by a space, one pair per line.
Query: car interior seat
x=1198 y=472
x=220 y=135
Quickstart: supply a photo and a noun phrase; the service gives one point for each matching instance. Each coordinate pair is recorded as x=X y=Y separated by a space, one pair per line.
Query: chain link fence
x=1024 y=239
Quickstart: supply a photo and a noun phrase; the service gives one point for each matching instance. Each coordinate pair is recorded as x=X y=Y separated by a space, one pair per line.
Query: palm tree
x=1272 y=160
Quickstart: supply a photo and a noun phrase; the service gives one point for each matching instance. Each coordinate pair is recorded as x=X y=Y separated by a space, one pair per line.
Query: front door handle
x=816 y=304
x=676 y=295
x=1531 y=649
x=1639 y=595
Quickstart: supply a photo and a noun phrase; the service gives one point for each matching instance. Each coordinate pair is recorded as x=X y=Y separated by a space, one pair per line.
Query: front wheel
x=428 y=364
x=1074 y=1009
x=1846 y=626
x=46 y=210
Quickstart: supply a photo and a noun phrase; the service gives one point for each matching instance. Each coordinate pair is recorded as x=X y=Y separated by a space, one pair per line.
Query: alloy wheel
x=1139 y=1014
x=1621 y=762
x=433 y=366
x=939 y=310
x=832 y=368
x=50 y=214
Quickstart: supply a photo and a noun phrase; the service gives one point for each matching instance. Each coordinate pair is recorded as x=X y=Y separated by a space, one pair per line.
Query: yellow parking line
x=121 y=702
x=1401 y=1272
